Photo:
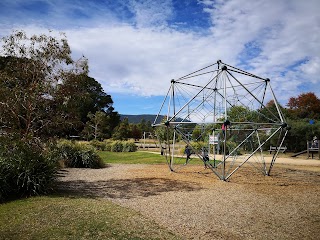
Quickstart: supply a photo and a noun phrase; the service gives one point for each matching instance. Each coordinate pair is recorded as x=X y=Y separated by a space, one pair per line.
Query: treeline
x=303 y=115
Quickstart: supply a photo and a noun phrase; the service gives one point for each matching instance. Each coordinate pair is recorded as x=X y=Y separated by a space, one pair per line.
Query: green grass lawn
x=141 y=157
x=58 y=217
x=132 y=157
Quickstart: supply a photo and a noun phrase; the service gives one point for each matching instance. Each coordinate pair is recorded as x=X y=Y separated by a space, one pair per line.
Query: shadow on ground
x=124 y=188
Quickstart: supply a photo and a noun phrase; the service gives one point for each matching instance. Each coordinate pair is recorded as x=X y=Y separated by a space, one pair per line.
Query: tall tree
x=135 y=132
x=85 y=94
x=43 y=91
x=30 y=70
x=306 y=105
x=80 y=95
x=95 y=125
x=122 y=132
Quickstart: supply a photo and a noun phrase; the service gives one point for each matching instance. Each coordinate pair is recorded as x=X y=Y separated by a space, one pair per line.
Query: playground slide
x=297 y=154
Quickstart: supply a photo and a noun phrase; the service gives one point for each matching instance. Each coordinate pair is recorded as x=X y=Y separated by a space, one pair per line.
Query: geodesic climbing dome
x=225 y=115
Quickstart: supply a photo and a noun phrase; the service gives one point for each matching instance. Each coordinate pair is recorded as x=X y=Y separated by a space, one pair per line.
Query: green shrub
x=6 y=175
x=129 y=146
x=78 y=155
x=117 y=146
x=198 y=146
x=231 y=146
x=98 y=145
x=108 y=146
x=25 y=169
x=121 y=146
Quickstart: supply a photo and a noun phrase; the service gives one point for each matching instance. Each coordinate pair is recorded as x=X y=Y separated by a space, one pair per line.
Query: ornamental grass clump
x=25 y=168
x=129 y=146
x=117 y=146
x=77 y=155
x=101 y=146
x=121 y=146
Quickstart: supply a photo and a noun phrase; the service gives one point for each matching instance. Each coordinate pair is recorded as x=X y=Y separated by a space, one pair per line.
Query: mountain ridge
x=137 y=118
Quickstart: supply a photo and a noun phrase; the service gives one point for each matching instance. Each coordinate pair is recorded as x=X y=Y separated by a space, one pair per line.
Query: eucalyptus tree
x=81 y=95
x=31 y=70
x=44 y=92
x=94 y=126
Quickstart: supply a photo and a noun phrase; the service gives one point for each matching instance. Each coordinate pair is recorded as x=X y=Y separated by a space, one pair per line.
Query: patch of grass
x=140 y=158
x=75 y=218
x=132 y=157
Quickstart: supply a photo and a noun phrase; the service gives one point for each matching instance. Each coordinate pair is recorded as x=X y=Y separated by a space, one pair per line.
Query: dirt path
x=196 y=205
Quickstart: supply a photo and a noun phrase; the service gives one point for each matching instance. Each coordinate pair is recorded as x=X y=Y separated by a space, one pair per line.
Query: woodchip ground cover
x=145 y=201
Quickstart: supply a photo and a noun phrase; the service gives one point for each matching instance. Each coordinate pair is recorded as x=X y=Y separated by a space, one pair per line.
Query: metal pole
x=261 y=151
x=253 y=153
x=155 y=120
x=186 y=104
x=276 y=103
x=169 y=150
x=225 y=129
x=171 y=96
x=214 y=120
x=276 y=154
x=173 y=147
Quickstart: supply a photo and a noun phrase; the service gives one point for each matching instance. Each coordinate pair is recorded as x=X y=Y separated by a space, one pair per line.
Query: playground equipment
x=225 y=111
x=312 y=148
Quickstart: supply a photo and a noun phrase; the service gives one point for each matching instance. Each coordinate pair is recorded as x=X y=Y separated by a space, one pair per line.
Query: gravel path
x=196 y=205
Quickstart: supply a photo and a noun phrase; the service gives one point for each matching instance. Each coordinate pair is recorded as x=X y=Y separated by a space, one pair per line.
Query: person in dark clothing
x=187 y=151
x=205 y=156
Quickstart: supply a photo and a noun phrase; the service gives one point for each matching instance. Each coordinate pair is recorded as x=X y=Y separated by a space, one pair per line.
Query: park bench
x=273 y=149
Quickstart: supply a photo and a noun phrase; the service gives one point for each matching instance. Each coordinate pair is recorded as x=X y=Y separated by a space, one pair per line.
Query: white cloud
x=141 y=61
x=274 y=39
x=285 y=34
x=312 y=69
x=149 y=13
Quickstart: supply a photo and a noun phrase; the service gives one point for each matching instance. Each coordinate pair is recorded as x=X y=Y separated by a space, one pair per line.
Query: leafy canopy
x=43 y=91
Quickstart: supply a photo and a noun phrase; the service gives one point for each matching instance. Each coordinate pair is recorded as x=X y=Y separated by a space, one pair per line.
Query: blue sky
x=135 y=47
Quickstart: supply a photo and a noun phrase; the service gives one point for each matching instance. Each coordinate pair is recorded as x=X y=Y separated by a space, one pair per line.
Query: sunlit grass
x=58 y=217
x=141 y=157
x=132 y=157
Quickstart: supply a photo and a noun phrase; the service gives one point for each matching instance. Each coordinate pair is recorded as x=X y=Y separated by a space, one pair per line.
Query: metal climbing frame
x=229 y=104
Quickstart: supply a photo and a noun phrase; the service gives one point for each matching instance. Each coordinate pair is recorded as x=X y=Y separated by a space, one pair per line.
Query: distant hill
x=137 y=118
x=147 y=117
